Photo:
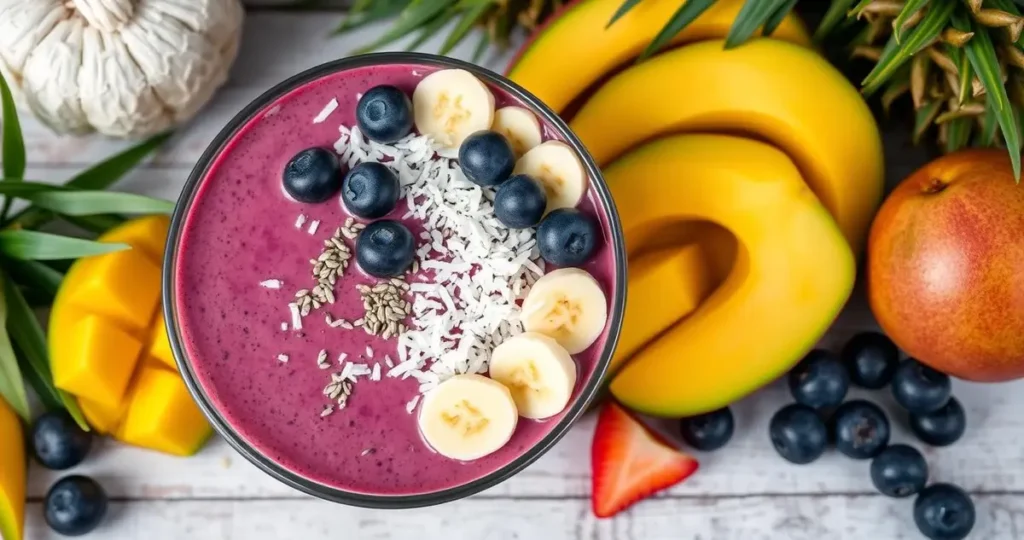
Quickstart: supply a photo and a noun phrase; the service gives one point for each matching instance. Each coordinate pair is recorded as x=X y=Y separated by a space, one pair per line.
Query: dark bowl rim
x=300 y=482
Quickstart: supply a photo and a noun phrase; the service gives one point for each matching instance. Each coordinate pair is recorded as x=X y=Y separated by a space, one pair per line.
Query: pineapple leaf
x=753 y=15
x=895 y=54
x=364 y=12
x=431 y=28
x=908 y=11
x=898 y=85
x=923 y=119
x=475 y=10
x=858 y=10
x=414 y=16
x=989 y=125
x=686 y=14
x=778 y=16
x=958 y=132
x=963 y=69
x=836 y=14
x=12 y=152
x=982 y=56
x=623 y=9
x=481 y=46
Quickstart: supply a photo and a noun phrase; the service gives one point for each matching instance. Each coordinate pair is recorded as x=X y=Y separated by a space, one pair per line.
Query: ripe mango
x=767 y=89
x=577 y=48
x=793 y=270
x=12 y=475
x=109 y=347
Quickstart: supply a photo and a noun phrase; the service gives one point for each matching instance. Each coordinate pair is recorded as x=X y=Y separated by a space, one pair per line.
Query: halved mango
x=162 y=416
x=100 y=361
x=160 y=345
x=12 y=475
x=123 y=286
x=147 y=234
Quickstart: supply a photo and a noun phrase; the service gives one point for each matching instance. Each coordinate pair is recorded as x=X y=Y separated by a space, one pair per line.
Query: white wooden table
x=744 y=491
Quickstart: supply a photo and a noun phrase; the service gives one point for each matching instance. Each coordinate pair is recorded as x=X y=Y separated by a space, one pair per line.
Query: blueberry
x=871 y=359
x=486 y=158
x=944 y=512
x=798 y=434
x=520 y=202
x=942 y=427
x=708 y=431
x=819 y=380
x=312 y=176
x=567 y=237
x=385 y=249
x=384 y=114
x=861 y=429
x=919 y=388
x=75 y=505
x=899 y=471
x=57 y=441
x=370 y=190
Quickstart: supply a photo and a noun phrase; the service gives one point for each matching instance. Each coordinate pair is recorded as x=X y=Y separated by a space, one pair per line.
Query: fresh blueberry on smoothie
x=486 y=158
x=384 y=113
x=370 y=190
x=453 y=345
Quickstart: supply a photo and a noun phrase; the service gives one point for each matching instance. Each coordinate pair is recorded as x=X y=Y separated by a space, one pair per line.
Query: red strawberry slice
x=631 y=463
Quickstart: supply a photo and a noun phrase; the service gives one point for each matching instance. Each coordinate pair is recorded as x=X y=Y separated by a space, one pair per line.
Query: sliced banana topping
x=451 y=104
x=538 y=371
x=519 y=126
x=468 y=417
x=567 y=305
x=556 y=165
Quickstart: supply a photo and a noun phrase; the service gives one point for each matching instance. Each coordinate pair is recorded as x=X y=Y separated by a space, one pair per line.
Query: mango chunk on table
x=161 y=415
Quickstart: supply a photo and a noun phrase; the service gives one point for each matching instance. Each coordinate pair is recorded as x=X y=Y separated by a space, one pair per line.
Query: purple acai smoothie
x=243 y=255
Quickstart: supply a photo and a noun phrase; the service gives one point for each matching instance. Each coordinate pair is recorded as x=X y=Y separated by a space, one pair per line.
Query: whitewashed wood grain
x=833 y=517
x=744 y=491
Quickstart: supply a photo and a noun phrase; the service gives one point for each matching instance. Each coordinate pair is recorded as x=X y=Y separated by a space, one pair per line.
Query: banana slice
x=519 y=126
x=555 y=165
x=451 y=104
x=567 y=305
x=468 y=417
x=538 y=371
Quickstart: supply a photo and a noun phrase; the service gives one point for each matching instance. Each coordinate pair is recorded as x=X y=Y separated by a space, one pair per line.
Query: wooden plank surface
x=744 y=491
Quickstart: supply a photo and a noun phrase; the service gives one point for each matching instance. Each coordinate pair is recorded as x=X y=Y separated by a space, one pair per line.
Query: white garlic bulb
x=124 y=68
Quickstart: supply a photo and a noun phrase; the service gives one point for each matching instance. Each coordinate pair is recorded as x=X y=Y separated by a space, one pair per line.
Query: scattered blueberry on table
x=942 y=427
x=819 y=381
x=899 y=471
x=58 y=443
x=920 y=389
x=709 y=431
x=75 y=505
x=798 y=434
x=872 y=359
x=944 y=512
x=860 y=429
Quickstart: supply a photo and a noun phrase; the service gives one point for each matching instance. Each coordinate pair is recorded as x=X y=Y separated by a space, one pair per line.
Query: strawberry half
x=631 y=463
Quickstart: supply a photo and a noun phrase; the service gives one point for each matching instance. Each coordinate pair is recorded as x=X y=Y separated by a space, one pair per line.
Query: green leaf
x=415 y=15
x=958 y=132
x=686 y=14
x=898 y=85
x=39 y=246
x=89 y=203
x=777 y=17
x=858 y=10
x=989 y=125
x=13 y=153
x=985 y=63
x=477 y=9
x=924 y=117
x=430 y=29
x=963 y=68
x=752 y=16
x=29 y=339
x=836 y=14
x=34 y=275
x=98 y=224
x=481 y=46
x=99 y=177
x=51 y=402
x=364 y=12
x=623 y=9
x=895 y=54
x=12 y=386
x=908 y=11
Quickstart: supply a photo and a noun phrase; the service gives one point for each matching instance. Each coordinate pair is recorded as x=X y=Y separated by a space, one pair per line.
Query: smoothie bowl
x=394 y=280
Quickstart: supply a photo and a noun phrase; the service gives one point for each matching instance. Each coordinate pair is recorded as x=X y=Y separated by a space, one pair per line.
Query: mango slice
x=12 y=475
x=162 y=416
x=109 y=347
x=101 y=361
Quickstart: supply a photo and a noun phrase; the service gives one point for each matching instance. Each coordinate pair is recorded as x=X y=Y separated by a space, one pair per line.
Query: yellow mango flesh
x=109 y=347
x=664 y=286
x=577 y=48
x=12 y=475
x=768 y=89
x=792 y=274
x=161 y=415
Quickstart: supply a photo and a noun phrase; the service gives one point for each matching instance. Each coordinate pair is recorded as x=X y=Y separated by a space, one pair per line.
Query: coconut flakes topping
x=271 y=284
x=327 y=110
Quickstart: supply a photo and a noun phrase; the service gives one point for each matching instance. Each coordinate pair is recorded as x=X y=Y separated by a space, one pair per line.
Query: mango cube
x=123 y=286
x=102 y=417
x=100 y=361
x=147 y=234
x=162 y=415
x=160 y=345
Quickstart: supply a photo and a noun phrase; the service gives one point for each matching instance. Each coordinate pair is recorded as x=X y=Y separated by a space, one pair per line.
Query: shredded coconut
x=296 y=316
x=300 y=221
x=271 y=284
x=327 y=110
x=314 y=226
